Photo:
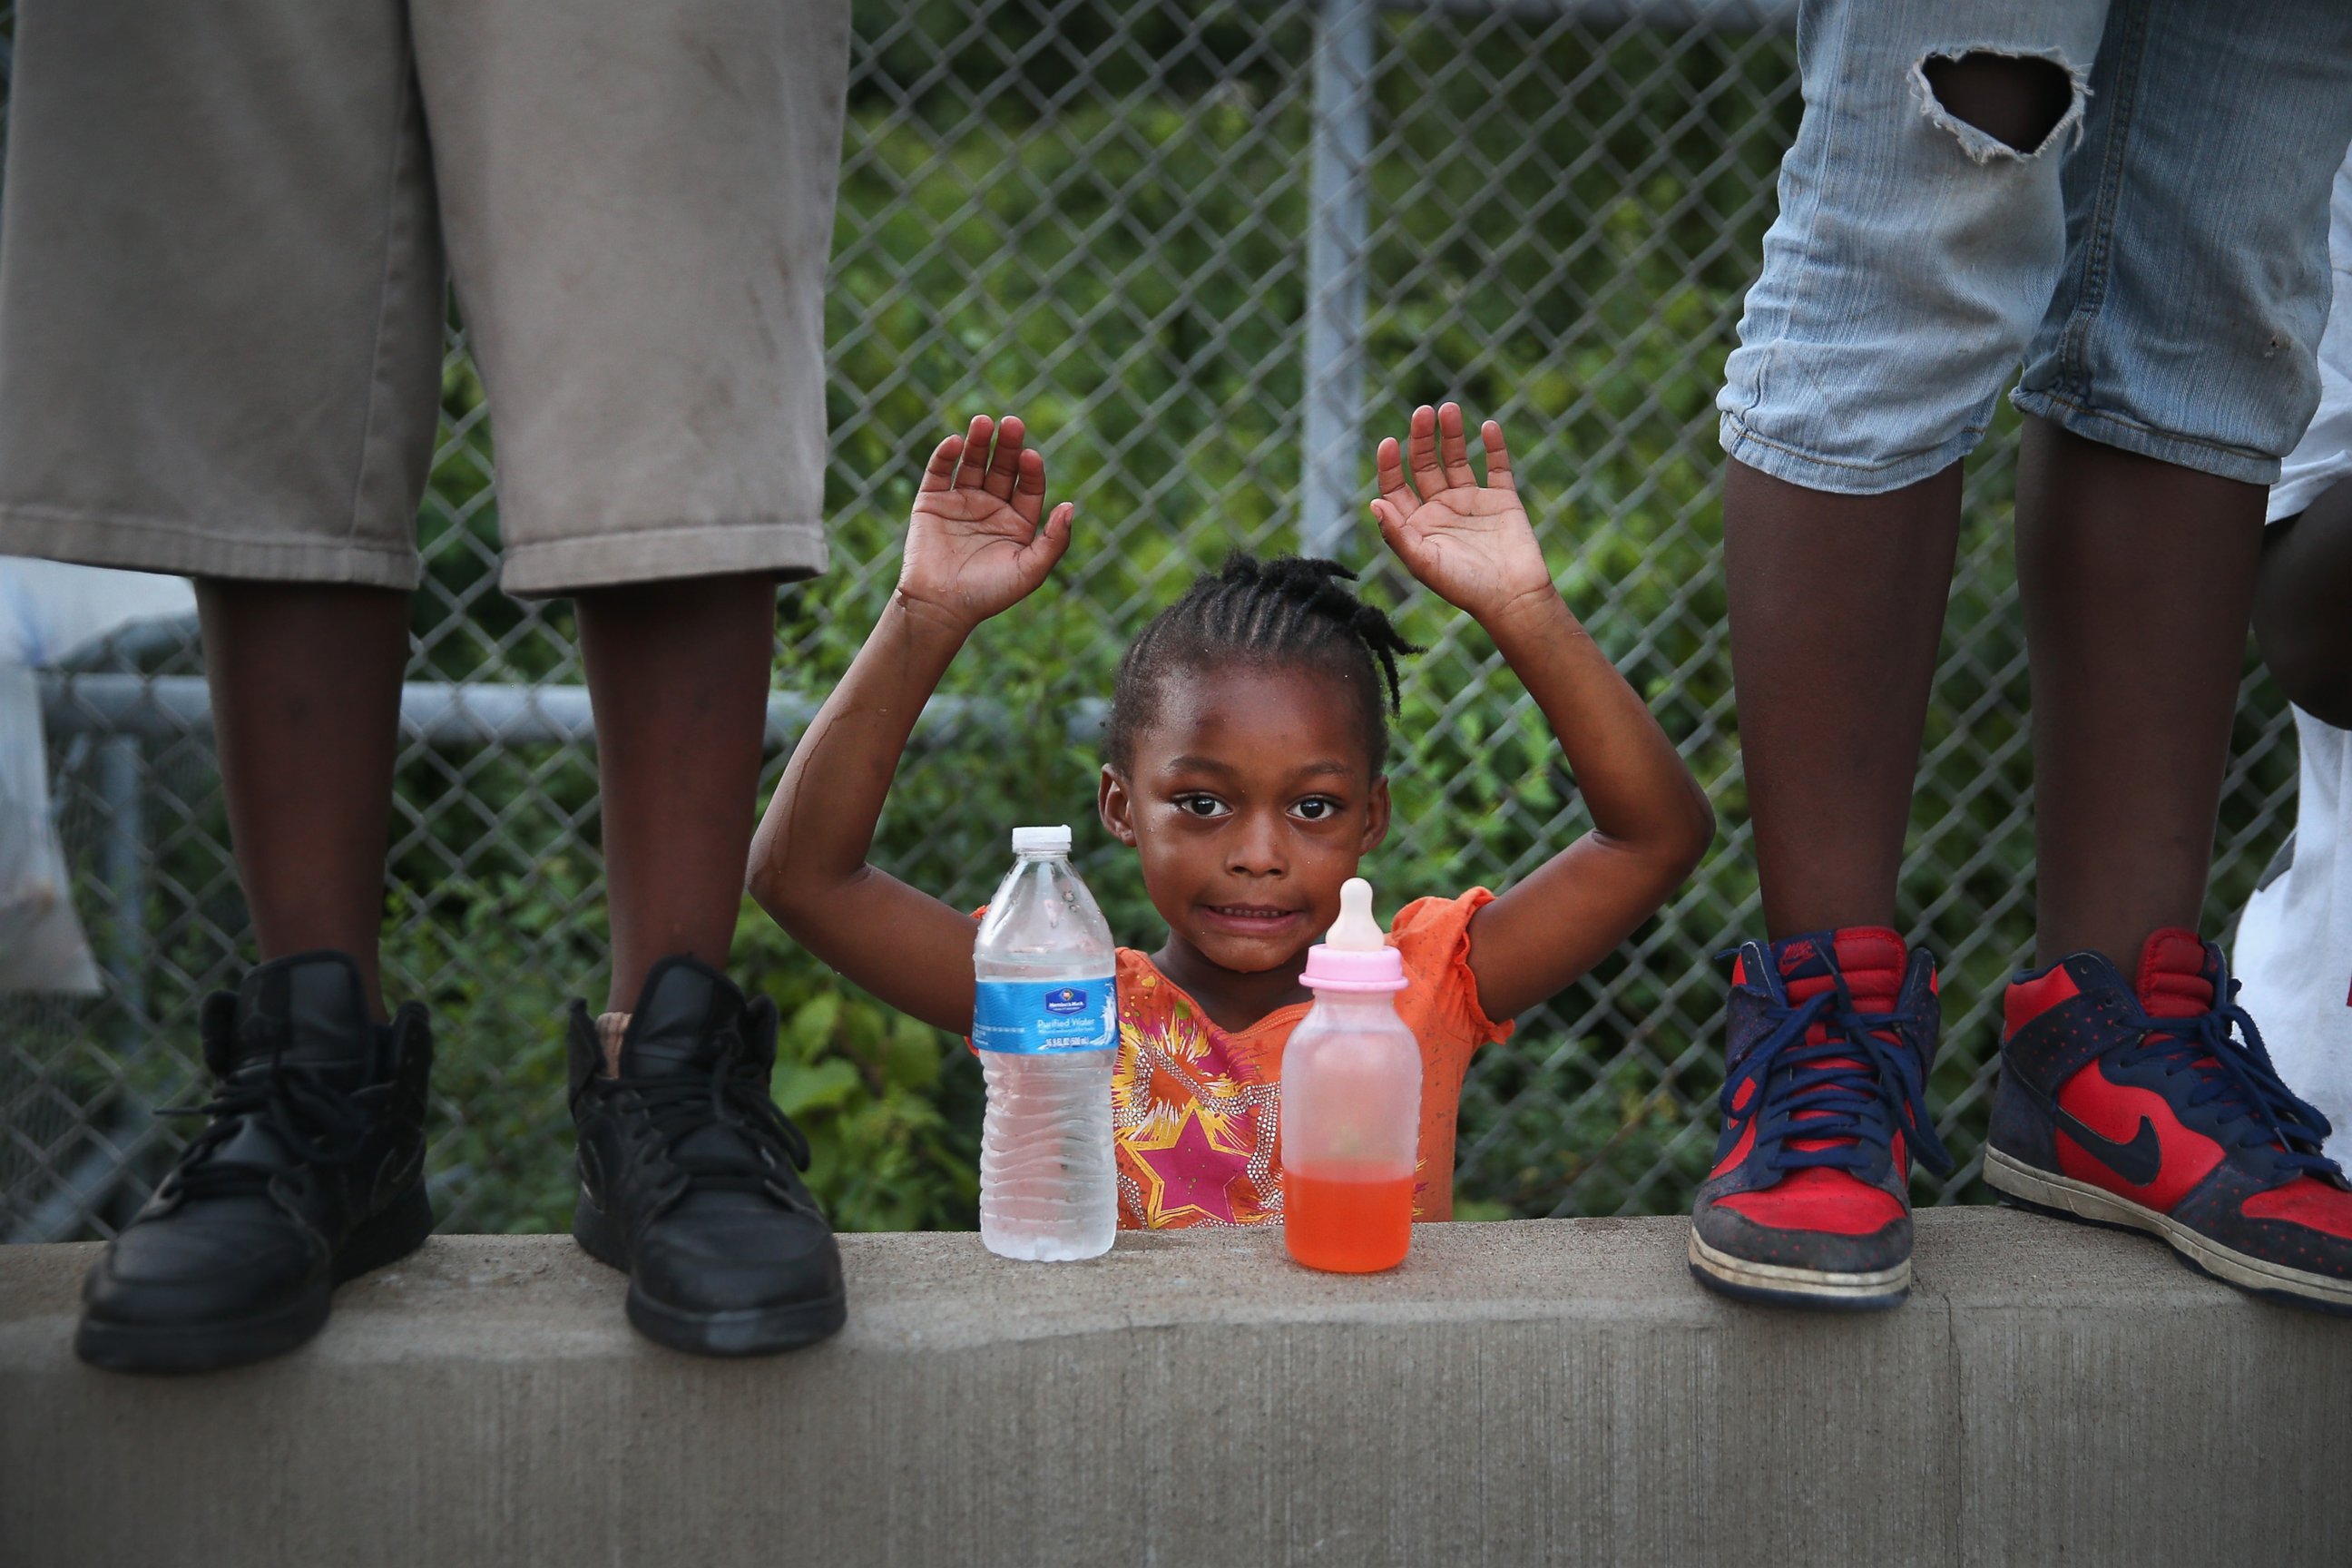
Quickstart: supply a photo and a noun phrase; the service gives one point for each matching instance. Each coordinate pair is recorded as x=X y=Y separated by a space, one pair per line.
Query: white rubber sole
x=2047 y=1190
x=1805 y=1287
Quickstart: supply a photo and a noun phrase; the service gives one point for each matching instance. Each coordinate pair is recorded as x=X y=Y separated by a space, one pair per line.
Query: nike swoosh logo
x=401 y=1170
x=2138 y=1162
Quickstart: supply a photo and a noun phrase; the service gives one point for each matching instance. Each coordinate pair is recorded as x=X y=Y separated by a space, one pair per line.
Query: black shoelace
x=733 y=1095
x=317 y=1120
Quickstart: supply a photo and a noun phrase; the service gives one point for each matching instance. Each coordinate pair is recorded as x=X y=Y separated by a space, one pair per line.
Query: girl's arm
x=1472 y=546
x=975 y=547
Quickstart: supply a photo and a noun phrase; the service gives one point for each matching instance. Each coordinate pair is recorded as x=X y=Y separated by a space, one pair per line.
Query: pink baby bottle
x=1351 y=1114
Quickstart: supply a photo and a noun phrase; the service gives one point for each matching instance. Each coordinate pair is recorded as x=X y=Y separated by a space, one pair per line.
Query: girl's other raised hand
x=1469 y=544
x=976 y=544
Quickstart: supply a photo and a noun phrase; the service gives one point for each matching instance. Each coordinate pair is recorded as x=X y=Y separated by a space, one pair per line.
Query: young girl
x=1242 y=763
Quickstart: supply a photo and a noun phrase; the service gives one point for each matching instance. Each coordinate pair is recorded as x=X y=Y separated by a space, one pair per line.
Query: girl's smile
x=1251 y=919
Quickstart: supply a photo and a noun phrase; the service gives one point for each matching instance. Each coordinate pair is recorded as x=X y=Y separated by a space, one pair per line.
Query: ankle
x=2122 y=942
x=610 y=1029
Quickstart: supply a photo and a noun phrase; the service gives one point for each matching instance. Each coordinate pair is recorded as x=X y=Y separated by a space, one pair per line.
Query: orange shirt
x=1193 y=1105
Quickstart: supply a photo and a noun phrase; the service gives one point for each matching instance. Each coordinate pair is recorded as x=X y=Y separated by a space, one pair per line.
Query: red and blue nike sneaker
x=1824 y=1106
x=2135 y=1106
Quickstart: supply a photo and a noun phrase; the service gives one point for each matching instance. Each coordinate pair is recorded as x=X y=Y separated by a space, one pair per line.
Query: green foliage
x=890 y=1105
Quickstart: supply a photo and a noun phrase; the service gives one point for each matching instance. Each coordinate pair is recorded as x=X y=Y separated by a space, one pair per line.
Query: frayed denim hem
x=2221 y=460
x=1838 y=476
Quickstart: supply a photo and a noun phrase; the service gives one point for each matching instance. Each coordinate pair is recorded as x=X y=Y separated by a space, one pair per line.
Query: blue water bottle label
x=1031 y=1017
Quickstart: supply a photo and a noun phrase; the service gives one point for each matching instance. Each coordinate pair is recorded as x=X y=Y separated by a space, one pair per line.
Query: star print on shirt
x=1191 y=1171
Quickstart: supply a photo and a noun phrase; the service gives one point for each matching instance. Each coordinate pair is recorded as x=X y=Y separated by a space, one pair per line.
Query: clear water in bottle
x=1046 y=1024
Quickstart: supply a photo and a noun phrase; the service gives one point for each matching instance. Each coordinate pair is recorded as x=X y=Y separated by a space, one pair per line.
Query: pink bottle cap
x=1355 y=955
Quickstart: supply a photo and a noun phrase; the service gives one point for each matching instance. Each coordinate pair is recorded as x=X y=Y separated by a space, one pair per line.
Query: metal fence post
x=1336 y=240
x=122 y=870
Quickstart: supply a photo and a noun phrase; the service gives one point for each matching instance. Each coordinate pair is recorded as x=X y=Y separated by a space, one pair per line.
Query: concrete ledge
x=1552 y=1391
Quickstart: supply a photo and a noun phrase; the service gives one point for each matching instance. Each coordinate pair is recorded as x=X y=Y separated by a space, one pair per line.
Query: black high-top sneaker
x=310 y=1172
x=689 y=1176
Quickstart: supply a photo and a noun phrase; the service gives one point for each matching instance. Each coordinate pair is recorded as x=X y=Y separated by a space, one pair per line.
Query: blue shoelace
x=2236 y=1078
x=1852 y=1086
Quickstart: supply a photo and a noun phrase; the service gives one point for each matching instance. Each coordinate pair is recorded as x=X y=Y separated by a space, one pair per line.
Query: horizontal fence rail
x=154 y=708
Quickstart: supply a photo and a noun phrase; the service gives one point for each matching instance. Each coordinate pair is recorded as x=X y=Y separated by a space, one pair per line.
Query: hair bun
x=1298 y=575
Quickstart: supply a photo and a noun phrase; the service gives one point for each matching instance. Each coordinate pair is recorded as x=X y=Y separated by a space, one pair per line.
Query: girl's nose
x=1256 y=848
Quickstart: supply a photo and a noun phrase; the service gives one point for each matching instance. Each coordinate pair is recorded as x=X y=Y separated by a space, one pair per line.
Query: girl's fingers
x=1406 y=540
x=1003 y=470
x=1388 y=471
x=1028 y=485
x=1052 y=539
x=1498 y=459
x=1452 y=448
x=969 y=472
x=940 y=472
x=1420 y=452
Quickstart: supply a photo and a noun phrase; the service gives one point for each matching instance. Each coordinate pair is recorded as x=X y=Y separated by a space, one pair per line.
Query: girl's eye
x=1200 y=805
x=1317 y=808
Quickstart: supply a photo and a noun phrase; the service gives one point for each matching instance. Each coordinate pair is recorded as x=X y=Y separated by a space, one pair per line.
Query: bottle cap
x=1355 y=955
x=1042 y=840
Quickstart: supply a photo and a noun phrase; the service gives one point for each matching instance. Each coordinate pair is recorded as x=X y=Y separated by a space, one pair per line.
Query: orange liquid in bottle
x=1345 y=1225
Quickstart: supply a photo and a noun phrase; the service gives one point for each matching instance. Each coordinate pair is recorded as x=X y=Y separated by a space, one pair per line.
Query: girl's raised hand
x=975 y=545
x=1469 y=544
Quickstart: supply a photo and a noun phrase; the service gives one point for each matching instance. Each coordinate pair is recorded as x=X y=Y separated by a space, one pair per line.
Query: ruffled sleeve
x=1433 y=937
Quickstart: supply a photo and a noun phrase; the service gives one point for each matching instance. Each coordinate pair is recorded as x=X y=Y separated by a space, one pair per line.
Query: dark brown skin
x=2138 y=582
x=306 y=698
x=2136 y=577
x=1836 y=604
x=306 y=708
x=2018 y=100
x=678 y=672
x=2303 y=606
x=1252 y=796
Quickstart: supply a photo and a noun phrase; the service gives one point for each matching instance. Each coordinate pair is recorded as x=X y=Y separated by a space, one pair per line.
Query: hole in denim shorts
x=2000 y=104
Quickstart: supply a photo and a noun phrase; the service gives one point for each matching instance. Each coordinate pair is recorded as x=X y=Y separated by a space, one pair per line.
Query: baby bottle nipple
x=1355 y=929
x=1355 y=955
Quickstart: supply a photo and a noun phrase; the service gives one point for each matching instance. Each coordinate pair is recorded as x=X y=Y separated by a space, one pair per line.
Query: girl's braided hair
x=1293 y=609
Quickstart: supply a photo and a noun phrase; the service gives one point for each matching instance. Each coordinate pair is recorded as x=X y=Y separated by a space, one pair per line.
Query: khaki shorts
x=222 y=262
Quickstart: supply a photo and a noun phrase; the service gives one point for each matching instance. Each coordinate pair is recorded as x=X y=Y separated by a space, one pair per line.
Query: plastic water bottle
x=1046 y=1024
x=1350 y=1102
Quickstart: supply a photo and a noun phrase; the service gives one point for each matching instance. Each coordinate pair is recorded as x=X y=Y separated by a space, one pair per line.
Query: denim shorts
x=2158 y=262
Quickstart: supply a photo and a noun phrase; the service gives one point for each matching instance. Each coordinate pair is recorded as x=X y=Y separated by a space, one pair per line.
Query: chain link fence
x=1212 y=252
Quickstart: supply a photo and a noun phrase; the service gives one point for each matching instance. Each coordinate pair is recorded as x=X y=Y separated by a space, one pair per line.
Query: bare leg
x=2299 y=606
x=1837 y=604
x=678 y=672
x=306 y=706
x=2137 y=580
